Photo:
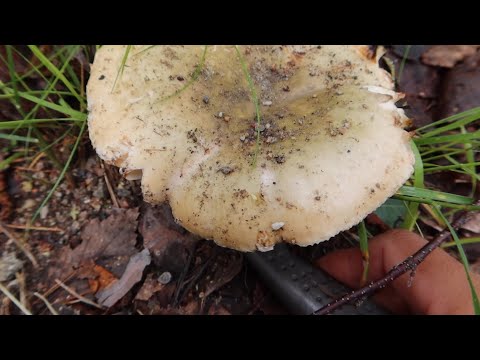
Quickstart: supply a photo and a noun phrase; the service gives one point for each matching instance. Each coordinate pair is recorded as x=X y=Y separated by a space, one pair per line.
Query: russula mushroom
x=183 y=119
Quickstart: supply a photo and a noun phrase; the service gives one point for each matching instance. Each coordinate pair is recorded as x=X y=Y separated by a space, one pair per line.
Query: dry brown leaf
x=112 y=237
x=474 y=224
x=218 y=310
x=448 y=55
x=223 y=271
x=192 y=308
x=98 y=277
x=167 y=241
x=132 y=275
x=149 y=288
x=109 y=243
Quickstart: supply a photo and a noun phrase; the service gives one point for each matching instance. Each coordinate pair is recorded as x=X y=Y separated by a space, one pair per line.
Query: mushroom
x=327 y=148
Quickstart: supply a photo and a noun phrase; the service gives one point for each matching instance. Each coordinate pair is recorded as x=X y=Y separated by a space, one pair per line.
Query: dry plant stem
x=27 y=252
x=410 y=264
x=109 y=186
x=56 y=286
x=22 y=285
x=77 y=295
x=35 y=228
x=13 y=299
x=47 y=303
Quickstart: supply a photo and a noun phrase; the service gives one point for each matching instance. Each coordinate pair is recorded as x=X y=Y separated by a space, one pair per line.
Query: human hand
x=439 y=286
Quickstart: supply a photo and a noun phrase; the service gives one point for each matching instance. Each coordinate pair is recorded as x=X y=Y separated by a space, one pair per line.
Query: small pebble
x=260 y=127
x=44 y=212
x=226 y=170
x=165 y=278
x=277 y=226
x=206 y=99
x=267 y=103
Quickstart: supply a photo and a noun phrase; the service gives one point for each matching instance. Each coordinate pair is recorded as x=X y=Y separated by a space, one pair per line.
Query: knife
x=302 y=288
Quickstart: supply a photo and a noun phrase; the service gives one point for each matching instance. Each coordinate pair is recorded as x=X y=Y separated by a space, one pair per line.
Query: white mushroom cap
x=332 y=147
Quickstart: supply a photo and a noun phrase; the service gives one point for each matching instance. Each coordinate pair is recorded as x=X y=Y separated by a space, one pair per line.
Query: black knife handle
x=302 y=288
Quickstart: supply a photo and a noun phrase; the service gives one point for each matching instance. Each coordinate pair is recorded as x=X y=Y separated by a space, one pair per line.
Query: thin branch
x=46 y=302
x=410 y=264
x=56 y=286
x=27 y=252
x=34 y=228
x=109 y=186
x=13 y=299
x=77 y=295
x=22 y=285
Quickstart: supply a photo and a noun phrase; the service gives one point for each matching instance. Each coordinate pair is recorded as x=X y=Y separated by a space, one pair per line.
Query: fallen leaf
x=169 y=243
x=109 y=243
x=419 y=83
x=448 y=55
x=460 y=90
x=98 y=277
x=114 y=236
x=149 y=288
x=226 y=266
x=132 y=275
x=191 y=308
x=9 y=265
x=218 y=310
x=473 y=224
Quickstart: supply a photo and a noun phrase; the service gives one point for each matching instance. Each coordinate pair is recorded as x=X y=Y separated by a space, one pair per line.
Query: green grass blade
x=6 y=163
x=451 y=119
x=453 y=126
x=434 y=195
x=9 y=125
x=55 y=71
x=122 y=66
x=12 y=137
x=62 y=173
x=404 y=61
x=466 y=241
x=418 y=181
x=470 y=155
x=61 y=109
x=457 y=138
x=362 y=234
x=192 y=79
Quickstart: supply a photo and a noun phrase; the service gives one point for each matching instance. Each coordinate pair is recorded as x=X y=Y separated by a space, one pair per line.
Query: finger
x=347 y=267
x=439 y=287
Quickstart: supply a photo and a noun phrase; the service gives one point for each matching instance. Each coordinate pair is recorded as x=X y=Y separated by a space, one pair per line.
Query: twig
x=13 y=299
x=22 y=285
x=77 y=295
x=46 y=302
x=35 y=228
x=56 y=286
x=410 y=264
x=35 y=160
x=109 y=186
x=181 y=278
x=27 y=252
